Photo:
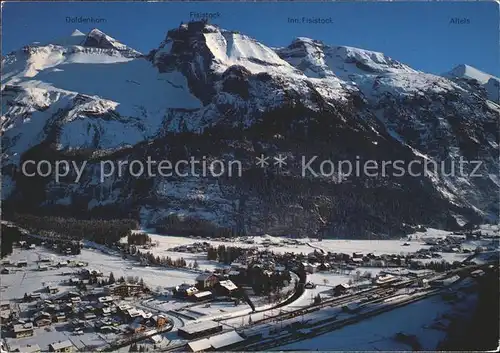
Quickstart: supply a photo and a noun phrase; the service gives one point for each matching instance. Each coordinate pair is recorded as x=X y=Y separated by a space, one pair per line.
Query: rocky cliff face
x=210 y=94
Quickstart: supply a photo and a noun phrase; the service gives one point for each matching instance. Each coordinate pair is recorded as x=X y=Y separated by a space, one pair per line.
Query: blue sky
x=416 y=33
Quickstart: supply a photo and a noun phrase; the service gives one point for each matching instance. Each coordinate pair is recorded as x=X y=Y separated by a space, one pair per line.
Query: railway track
x=315 y=307
x=332 y=324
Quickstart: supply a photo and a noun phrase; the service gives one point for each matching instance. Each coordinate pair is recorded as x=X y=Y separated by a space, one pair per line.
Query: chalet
x=5 y=305
x=385 y=279
x=75 y=300
x=30 y=348
x=64 y=346
x=205 y=295
x=78 y=324
x=67 y=307
x=87 y=273
x=5 y=317
x=60 y=317
x=43 y=319
x=185 y=290
x=22 y=263
x=52 y=290
x=70 y=295
x=106 y=311
x=343 y=257
x=238 y=266
x=106 y=328
x=134 y=313
x=156 y=339
x=106 y=299
x=89 y=316
x=159 y=320
x=357 y=261
x=49 y=307
x=34 y=296
x=5 y=271
x=206 y=280
x=62 y=263
x=431 y=241
x=23 y=330
x=75 y=280
x=340 y=289
x=124 y=289
x=310 y=268
x=124 y=307
x=45 y=259
x=43 y=268
x=376 y=263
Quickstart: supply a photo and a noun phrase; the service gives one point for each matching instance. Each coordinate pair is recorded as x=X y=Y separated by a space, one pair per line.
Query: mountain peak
x=98 y=39
x=96 y=32
x=469 y=72
x=306 y=40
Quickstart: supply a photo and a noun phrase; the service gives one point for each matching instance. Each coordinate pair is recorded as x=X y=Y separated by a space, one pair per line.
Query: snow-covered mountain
x=211 y=93
x=491 y=84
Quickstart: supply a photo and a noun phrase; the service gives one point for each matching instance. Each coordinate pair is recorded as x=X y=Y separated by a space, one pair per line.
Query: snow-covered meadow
x=414 y=242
